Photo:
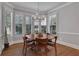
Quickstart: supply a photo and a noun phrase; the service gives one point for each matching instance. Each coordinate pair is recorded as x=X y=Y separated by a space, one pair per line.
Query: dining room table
x=40 y=36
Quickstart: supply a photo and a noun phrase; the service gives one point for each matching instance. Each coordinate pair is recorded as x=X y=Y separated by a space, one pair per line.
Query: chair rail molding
x=71 y=33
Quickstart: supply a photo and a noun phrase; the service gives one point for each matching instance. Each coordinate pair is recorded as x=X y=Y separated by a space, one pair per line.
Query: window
x=28 y=24
x=18 y=22
x=53 y=24
x=36 y=26
x=8 y=22
x=43 y=25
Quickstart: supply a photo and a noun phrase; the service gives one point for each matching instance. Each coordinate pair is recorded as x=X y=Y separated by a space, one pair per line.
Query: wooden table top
x=44 y=36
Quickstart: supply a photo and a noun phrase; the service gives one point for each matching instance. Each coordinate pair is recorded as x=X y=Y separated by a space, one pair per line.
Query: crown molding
x=24 y=10
x=8 y=4
x=64 y=5
x=31 y=11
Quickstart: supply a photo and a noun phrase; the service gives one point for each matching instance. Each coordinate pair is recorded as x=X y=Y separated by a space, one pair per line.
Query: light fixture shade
x=38 y=17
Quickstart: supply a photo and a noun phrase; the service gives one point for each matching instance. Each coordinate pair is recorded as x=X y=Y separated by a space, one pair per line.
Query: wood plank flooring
x=16 y=50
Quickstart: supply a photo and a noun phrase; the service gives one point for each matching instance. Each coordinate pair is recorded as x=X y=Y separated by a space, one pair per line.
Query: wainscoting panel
x=15 y=39
x=69 y=39
x=1 y=44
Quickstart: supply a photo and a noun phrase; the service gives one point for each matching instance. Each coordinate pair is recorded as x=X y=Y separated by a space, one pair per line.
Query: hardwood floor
x=16 y=50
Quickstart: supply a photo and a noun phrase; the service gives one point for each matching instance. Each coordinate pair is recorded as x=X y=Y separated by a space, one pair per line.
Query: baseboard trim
x=11 y=43
x=14 y=42
x=0 y=52
x=68 y=44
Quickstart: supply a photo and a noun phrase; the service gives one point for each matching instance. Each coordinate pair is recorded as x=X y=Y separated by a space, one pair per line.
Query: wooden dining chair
x=27 y=43
x=52 y=42
x=42 y=44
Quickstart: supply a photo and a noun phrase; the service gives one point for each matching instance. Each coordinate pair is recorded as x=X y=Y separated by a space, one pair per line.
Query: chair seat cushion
x=51 y=43
x=49 y=40
x=30 y=43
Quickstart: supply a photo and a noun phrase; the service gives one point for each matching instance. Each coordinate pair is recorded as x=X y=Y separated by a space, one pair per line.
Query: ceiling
x=43 y=6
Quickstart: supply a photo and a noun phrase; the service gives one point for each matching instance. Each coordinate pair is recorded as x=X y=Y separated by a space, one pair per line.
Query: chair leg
x=23 y=50
x=46 y=50
x=55 y=50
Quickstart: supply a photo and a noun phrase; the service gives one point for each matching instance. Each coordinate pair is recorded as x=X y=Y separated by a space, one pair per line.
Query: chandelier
x=38 y=16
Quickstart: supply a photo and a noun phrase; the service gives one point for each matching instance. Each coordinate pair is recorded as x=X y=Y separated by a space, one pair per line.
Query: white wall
x=69 y=23
x=1 y=35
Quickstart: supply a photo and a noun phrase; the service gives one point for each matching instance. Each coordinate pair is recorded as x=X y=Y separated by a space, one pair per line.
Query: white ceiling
x=43 y=6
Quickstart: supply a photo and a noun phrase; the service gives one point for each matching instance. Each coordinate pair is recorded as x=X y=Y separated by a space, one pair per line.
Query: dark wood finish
x=42 y=44
x=26 y=44
x=6 y=45
x=39 y=42
x=53 y=44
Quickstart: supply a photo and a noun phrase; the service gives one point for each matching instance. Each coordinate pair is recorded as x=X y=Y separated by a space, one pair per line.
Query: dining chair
x=41 y=44
x=52 y=42
x=27 y=43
